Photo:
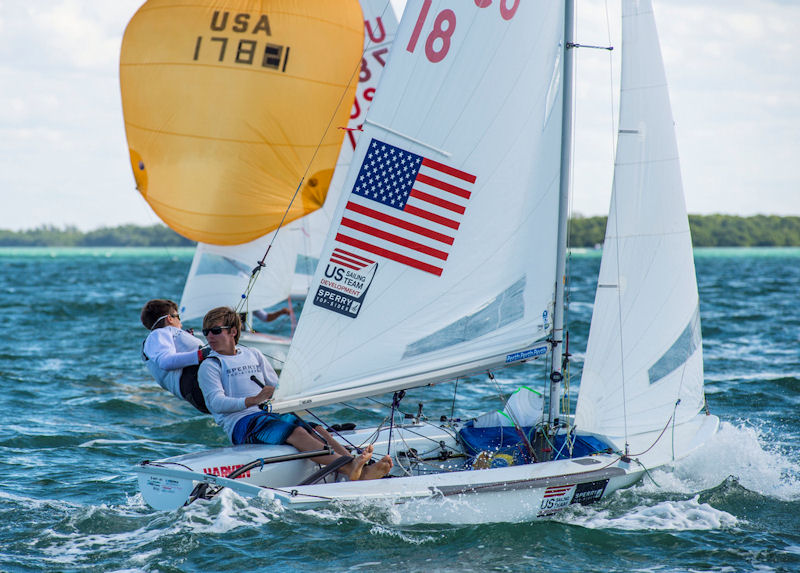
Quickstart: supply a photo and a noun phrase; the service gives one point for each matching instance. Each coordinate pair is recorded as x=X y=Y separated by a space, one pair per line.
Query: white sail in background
x=646 y=313
x=220 y=274
x=462 y=277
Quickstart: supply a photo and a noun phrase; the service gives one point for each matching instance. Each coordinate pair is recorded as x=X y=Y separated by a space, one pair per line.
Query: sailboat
x=219 y=274
x=447 y=258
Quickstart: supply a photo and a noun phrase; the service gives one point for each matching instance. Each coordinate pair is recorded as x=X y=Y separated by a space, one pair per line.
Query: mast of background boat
x=563 y=207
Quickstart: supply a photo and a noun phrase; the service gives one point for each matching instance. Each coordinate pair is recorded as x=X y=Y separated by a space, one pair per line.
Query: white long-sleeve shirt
x=169 y=350
x=225 y=382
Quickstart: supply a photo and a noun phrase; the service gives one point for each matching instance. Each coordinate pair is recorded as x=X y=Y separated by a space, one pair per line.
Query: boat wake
x=669 y=515
x=227 y=512
x=734 y=460
x=737 y=451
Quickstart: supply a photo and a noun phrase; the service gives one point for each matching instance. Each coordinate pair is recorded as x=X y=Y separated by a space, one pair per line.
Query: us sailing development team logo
x=403 y=207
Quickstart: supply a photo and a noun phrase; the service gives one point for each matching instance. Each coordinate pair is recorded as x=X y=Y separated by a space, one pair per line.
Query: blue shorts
x=264 y=428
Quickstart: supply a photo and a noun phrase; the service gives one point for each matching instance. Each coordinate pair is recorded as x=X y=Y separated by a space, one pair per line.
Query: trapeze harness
x=189 y=386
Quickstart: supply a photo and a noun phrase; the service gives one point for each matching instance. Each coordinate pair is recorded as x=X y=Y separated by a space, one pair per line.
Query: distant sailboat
x=447 y=258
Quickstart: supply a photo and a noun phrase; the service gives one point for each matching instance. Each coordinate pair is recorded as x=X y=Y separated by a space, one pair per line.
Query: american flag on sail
x=349 y=260
x=405 y=207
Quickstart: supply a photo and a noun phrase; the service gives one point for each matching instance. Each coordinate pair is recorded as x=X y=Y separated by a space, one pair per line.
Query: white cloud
x=734 y=79
x=63 y=156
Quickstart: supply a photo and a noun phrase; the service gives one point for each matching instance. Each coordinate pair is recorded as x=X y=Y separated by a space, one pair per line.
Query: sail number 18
x=437 y=44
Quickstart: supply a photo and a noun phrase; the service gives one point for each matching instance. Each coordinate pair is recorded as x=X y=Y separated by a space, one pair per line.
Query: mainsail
x=646 y=314
x=230 y=104
x=454 y=269
x=219 y=274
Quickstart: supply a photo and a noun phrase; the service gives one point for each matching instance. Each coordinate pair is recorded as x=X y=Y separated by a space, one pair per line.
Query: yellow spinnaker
x=229 y=103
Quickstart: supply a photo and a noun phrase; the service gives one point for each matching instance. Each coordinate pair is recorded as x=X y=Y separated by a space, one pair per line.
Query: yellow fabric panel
x=229 y=104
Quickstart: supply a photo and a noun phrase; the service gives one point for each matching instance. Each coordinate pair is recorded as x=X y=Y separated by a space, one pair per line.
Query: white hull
x=439 y=491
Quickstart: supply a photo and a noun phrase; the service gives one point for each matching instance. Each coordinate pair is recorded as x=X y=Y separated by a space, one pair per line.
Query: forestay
x=646 y=308
x=219 y=274
x=460 y=277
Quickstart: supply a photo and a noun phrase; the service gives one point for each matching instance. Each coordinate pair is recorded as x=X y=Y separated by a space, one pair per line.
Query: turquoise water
x=78 y=411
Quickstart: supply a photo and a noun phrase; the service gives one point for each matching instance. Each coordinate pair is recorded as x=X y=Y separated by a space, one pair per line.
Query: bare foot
x=378 y=469
x=359 y=463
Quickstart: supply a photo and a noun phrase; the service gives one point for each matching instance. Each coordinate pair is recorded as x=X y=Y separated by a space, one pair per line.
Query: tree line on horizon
x=707 y=231
x=157 y=235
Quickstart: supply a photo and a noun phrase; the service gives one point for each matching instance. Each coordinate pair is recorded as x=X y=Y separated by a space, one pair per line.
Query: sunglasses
x=160 y=318
x=215 y=330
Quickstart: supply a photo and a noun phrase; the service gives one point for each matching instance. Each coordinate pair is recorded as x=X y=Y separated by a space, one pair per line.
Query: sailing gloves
x=202 y=353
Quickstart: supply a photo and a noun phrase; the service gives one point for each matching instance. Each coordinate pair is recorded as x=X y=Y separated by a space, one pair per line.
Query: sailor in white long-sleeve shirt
x=233 y=396
x=172 y=354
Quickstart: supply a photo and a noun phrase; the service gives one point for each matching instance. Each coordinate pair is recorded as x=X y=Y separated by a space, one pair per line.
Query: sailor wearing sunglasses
x=171 y=354
x=236 y=380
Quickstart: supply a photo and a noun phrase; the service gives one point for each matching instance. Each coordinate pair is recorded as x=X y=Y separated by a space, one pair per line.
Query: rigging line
x=674 y=412
x=295 y=493
x=445 y=430
x=647 y=472
x=379 y=403
x=162 y=464
x=453 y=406
x=566 y=370
x=326 y=426
x=398 y=396
x=354 y=75
x=432 y=440
x=621 y=341
x=614 y=206
x=680 y=387
x=611 y=81
x=410 y=431
x=383 y=405
x=657 y=439
x=420 y=461
x=373 y=437
x=511 y=416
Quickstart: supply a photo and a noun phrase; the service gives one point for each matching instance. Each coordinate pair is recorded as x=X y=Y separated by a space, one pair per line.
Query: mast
x=563 y=213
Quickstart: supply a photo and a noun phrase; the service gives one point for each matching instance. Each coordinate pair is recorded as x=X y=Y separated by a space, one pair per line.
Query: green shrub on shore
x=122 y=236
x=707 y=231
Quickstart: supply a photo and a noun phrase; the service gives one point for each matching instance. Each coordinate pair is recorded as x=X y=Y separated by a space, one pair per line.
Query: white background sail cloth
x=490 y=108
x=219 y=275
x=646 y=307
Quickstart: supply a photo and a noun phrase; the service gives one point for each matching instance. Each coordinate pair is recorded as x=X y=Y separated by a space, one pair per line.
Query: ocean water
x=78 y=410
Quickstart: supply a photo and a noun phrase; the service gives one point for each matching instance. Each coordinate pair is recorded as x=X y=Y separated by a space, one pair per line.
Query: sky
x=732 y=66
